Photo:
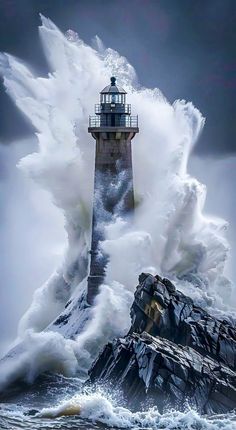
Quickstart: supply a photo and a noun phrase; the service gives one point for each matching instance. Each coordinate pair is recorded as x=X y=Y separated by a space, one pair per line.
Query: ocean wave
x=170 y=235
x=96 y=408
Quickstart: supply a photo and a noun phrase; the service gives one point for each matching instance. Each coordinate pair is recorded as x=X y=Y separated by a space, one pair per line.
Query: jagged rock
x=174 y=352
x=166 y=374
x=162 y=311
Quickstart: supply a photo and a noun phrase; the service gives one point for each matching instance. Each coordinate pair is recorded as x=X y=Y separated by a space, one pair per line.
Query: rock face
x=174 y=353
x=162 y=311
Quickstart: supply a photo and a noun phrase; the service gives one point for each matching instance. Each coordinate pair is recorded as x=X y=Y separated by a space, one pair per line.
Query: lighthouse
x=113 y=127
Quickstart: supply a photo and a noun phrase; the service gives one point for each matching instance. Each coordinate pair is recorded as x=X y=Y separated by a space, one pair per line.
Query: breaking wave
x=170 y=234
x=90 y=410
x=98 y=408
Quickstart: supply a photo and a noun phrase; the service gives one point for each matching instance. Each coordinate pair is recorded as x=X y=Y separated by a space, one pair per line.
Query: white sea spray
x=170 y=234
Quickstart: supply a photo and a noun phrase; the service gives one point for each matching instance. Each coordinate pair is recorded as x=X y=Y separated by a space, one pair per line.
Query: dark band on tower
x=113 y=127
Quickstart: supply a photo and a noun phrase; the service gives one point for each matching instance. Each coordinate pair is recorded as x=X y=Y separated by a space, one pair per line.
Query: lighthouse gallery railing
x=126 y=121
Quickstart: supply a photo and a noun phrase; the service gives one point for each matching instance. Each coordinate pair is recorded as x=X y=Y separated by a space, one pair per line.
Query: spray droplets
x=169 y=235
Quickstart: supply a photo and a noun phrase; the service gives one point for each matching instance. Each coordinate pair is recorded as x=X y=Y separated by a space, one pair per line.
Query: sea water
x=171 y=235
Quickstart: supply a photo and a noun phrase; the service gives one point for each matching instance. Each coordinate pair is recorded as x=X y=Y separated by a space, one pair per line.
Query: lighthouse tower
x=113 y=127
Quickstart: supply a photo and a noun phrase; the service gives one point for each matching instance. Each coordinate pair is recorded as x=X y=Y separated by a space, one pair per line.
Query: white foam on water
x=170 y=235
x=99 y=408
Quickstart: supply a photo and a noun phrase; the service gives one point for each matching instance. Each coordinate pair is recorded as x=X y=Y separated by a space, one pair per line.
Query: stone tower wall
x=113 y=171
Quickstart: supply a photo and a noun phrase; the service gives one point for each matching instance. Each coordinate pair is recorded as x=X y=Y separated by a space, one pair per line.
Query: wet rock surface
x=161 y=310
x=175 y=353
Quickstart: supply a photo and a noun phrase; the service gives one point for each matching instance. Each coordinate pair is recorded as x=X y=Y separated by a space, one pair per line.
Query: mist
x=219 y=175
x=32 y=239
x=172 y=234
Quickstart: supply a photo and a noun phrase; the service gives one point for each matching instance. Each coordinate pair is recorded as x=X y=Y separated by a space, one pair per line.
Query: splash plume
x=170 y=234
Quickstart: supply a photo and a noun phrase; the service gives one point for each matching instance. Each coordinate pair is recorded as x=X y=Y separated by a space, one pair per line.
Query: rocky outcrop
x=161 y=310
x=175 y=353
x=166 y=374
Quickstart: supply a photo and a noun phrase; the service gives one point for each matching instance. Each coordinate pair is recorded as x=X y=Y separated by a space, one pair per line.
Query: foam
x=170 y=233
x=99 y=408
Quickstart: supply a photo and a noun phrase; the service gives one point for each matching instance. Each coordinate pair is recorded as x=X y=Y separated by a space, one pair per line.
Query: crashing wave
x=170 y=235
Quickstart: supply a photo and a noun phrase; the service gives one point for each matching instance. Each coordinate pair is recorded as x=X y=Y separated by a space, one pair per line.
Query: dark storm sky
x=187 y=48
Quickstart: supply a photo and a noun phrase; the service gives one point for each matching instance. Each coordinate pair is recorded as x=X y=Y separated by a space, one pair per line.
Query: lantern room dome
x=113 y=88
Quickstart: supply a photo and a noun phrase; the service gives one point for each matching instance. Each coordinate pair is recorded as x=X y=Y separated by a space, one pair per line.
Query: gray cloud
x=185 y=48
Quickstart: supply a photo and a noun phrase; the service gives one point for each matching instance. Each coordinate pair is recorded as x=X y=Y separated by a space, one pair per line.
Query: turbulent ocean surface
x=170 y=235
x=100 y=408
